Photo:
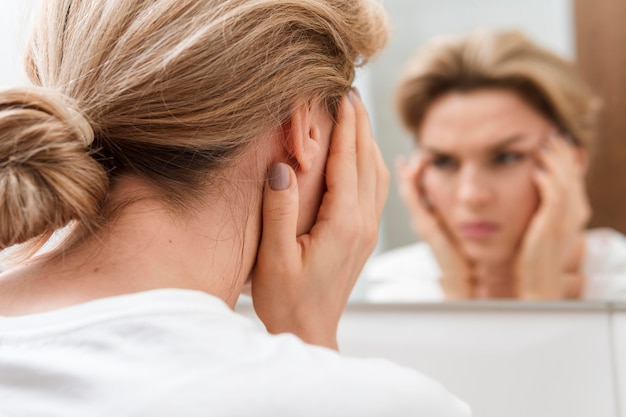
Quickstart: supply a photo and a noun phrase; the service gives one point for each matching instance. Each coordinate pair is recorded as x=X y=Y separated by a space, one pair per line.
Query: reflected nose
x=474 y=188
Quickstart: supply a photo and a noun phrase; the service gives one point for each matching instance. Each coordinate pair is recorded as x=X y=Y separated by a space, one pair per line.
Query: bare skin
x=348 y=217
x=499 y=197
x=301 y=274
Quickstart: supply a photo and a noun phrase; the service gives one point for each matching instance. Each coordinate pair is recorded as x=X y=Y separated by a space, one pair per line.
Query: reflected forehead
x=480 y=120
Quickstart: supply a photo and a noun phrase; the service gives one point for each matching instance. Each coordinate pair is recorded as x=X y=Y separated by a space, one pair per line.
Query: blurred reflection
x=415 y=22
x=496 y=187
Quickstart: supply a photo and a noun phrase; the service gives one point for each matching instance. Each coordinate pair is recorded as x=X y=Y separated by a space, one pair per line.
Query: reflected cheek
x=521 y=198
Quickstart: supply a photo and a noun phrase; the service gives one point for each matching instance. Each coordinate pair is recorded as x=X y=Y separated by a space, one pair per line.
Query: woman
x=496 y=191
x=193 y=147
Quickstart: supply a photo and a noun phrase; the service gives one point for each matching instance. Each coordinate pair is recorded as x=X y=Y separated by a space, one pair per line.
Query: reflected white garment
x=185 y=353
x=411 y=273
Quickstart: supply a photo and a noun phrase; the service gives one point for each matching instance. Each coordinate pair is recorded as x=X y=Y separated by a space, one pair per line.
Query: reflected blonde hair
x=499 y=59
x=169 y=90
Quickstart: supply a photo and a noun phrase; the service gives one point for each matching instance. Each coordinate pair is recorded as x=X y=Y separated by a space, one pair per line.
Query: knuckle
x=352 y=227
x=278 y=211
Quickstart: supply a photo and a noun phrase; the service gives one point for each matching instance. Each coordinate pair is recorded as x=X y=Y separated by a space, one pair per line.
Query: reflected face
x=481 y=145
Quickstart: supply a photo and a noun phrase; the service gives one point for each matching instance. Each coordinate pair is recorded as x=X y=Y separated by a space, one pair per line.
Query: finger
x=571 y=174
x=407 y=184
x=373 y=174
x=562 y=213
x=341 y=170
x=382 y=183
x=564 y=186
x=365 y=152
x=280 y=215
x=424 y=221
x=549 y=167
x=549 y=190
x=575 y=156
x=557 y=158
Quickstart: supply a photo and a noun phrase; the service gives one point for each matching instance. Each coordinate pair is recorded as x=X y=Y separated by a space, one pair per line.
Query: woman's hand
x=456 y=278
x=301 y=284
x=554 y=236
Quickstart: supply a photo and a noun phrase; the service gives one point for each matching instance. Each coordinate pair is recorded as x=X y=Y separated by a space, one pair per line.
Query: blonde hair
x=499 y=59
x=166 y=89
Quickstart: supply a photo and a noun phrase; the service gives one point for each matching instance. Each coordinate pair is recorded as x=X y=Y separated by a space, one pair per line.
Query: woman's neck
x=494 y=280
x=146 y=247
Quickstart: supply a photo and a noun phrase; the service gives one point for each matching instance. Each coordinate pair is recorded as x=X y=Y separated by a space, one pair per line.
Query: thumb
x=280 y=214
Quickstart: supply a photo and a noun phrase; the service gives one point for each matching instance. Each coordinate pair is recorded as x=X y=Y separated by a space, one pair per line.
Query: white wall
x=619 y=336
x=506 y=359
x=15 y=18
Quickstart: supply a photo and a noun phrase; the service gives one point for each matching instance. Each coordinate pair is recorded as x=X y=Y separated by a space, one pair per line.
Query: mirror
x=552 y=24
x=414 y=22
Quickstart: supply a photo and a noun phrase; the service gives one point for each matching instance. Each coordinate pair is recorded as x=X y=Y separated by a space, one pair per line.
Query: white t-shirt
x=186 y=353
x=411 y=273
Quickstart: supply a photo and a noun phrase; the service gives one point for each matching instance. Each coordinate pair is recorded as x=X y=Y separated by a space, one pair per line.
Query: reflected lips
x=478 y=230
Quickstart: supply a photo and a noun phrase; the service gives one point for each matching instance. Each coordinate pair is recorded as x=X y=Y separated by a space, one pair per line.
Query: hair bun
x=47 y=177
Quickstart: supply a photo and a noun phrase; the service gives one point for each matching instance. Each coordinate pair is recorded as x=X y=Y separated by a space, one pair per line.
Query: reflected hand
x=301 y=284
x=456 y=278
x=556 y=230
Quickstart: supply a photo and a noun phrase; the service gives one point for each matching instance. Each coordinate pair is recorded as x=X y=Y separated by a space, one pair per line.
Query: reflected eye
x=508 y=158
x=444 y=162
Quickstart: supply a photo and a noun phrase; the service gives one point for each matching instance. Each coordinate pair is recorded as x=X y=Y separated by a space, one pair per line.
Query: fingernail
x=351 y=96
x=279 y=176
x=357 y=92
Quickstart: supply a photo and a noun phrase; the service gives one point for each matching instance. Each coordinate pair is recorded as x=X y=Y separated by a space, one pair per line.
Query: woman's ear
x=302 y=138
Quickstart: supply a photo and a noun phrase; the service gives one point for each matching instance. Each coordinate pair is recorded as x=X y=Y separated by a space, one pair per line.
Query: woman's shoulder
x=416 y=258
x=187 y=352
x=291 y=378
x=319 y=381
x=406 y=274
x=604 y=264
x=604 y=235
x=604 y=248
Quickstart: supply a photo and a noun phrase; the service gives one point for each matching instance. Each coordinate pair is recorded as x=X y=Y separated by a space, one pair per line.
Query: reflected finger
x=410 y=176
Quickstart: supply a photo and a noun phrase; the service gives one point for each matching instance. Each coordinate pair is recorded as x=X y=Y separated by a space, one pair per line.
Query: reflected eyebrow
x=492 y=149
x=433 y=150
x=507 y=141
